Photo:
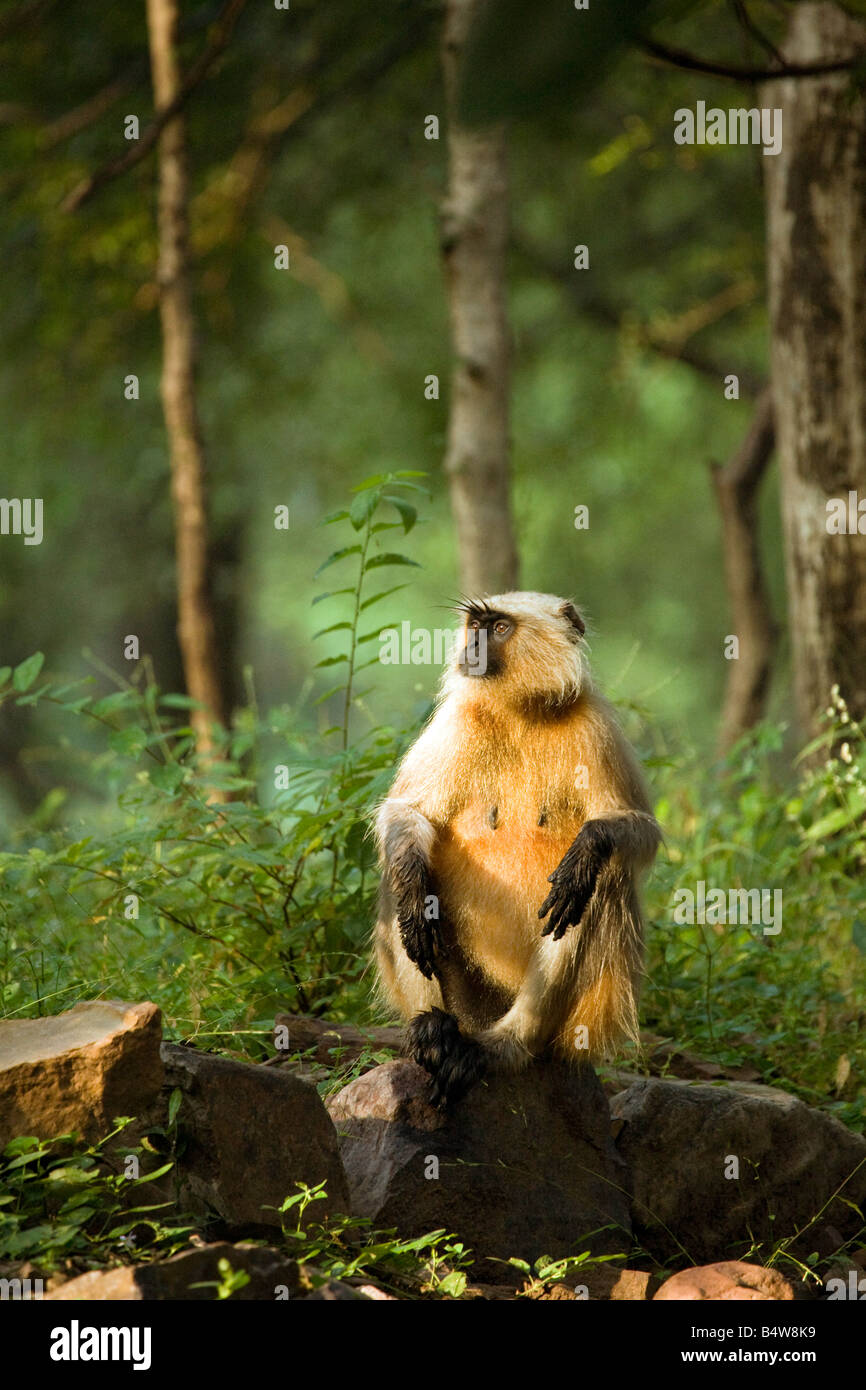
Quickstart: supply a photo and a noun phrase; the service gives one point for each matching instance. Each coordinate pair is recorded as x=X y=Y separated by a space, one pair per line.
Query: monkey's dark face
x=524 y=647
x=487 y=632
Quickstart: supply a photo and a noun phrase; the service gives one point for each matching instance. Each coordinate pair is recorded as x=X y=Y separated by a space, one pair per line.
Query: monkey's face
x=484 y=640
x=523 y=647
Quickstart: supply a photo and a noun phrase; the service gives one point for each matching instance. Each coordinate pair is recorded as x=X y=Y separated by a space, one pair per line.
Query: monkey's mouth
x=476 y=660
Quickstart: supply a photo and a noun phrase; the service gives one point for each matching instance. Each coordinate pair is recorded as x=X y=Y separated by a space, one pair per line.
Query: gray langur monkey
x=511 y=844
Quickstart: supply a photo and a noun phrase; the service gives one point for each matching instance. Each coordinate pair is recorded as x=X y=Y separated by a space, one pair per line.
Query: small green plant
x=546 y=1270
x=230 y=1280
x=63 y=1200
x=344 y=1247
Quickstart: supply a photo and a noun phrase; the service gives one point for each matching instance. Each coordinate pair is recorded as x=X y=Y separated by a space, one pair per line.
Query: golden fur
x=492 y=794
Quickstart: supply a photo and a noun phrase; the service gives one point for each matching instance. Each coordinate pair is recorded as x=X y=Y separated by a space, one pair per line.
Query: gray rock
x=249 y=1134
x=526 y=1166
x=678 y=1139
x=336 y=1292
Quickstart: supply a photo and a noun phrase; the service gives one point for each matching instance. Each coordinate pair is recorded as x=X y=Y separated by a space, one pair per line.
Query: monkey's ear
x=569 y=611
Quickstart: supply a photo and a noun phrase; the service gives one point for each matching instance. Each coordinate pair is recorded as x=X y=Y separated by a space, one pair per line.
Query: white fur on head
x=543 y=657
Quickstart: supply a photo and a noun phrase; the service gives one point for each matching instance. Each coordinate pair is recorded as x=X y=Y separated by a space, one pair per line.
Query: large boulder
x=523 y=1165
x=78 y=1070
x=271 y=1274
x=685 y=1144
x=249 y=1134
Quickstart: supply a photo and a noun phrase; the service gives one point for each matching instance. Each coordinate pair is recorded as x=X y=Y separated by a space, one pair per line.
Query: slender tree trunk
x=816 y=217
x=474 y=243
x=196 y=626
x=737 y=486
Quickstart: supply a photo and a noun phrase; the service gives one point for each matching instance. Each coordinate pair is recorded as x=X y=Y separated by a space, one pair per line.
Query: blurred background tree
x=306 y=128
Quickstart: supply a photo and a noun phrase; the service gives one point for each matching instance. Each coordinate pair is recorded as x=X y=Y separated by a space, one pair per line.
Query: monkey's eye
x=475 y=625
x=501 y=628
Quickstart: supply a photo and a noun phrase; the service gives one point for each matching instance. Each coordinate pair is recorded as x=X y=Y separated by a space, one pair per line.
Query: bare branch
x=594 y=306
x=678 y=58
x=736 y=486
x=751 y=28
x=220 y=36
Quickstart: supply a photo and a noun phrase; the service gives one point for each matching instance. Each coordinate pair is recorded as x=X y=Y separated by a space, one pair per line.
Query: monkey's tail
x=610 y=953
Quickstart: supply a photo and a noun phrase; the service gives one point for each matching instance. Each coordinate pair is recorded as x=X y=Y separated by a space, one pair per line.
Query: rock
x=270 y=1271
x=249 y=1136
x=78 y=1070
x=678 y=1140
x=333 y=1043
x=525 y=1163
x=336 y=1292
x=730 y=1281
x=612 y=1282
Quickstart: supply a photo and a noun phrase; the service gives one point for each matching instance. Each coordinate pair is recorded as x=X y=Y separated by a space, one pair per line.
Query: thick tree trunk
x=474 y=242
x=816 y=215
x=196 y=625
x=737 y=486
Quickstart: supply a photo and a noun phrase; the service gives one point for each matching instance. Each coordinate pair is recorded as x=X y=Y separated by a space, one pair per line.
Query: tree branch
x=736 y=487
x=598 y=308
x=678 y=58
x=222 y=32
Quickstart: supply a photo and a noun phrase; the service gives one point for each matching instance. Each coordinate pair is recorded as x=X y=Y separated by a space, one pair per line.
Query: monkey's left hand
x=575 y=877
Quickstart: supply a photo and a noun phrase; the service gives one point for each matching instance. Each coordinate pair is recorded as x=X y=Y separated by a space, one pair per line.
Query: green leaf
x=24 y=675
x=362 y=509
x=174 y=1104
x=408 y=513
x=391 y=558
x=118 y=700
x=334 y=690
x=858 y=936
x=333 y=593
x=385 y=593
x=337 y=555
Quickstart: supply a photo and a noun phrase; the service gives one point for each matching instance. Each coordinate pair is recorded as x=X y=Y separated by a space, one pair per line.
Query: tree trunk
x=474 y=239
x=737 y=488
x=816 y=254
x=196 y=626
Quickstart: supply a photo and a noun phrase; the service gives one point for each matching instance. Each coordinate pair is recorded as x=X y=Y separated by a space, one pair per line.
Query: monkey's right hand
x=420 y=935
x=575 y=878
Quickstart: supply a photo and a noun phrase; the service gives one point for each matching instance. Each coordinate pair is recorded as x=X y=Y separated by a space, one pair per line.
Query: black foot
x=455 y=1062
x=574 y=879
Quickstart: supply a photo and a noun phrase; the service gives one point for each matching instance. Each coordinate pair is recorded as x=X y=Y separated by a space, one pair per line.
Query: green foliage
x=343 y=1247
x=789 y=1004
x=546 y=1270
x=520 y=61
x=274 y=893
x=61 y=1199
x=229 y=1282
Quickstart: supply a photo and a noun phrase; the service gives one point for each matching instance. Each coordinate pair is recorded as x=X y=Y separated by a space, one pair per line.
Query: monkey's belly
x=491 y=885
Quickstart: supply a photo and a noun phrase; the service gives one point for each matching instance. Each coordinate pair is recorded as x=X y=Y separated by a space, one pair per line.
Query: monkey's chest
x=491 y=869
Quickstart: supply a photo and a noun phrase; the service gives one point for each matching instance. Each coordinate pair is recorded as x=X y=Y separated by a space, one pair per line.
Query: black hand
x=574 y=879
x=420 y=935
x=421 y=940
